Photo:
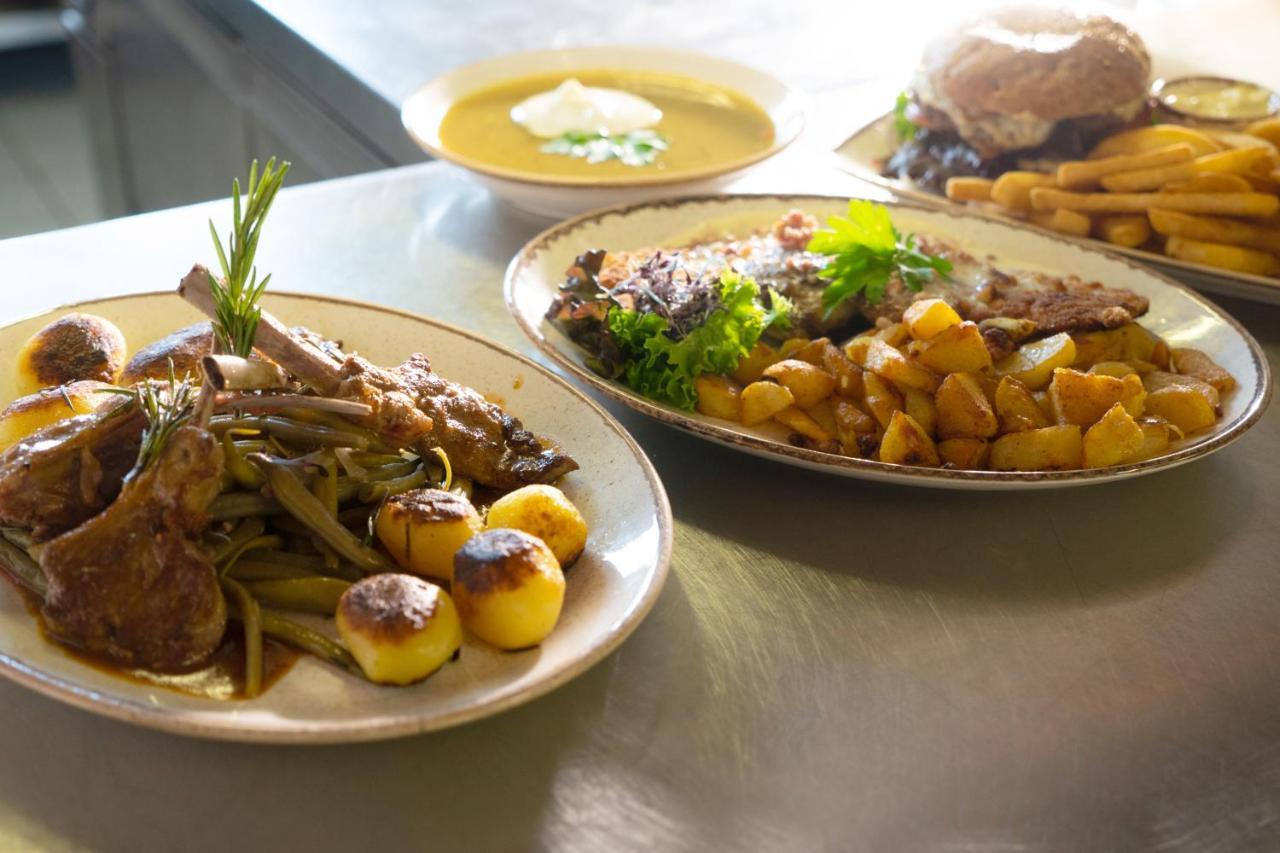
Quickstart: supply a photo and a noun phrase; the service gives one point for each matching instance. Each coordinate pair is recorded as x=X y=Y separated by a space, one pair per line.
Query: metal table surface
x=832 y=665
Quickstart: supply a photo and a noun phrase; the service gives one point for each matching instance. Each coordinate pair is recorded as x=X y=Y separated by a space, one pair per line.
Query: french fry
x=1085 y=173
x=1013 y=189
x=1221 y=255
x=1208 y=229
x=1222 y=204
x=1157 y=136
x=1063 y=221
x=1268 y=129
x=969 y=189
x=1123 y=229
x=1210 y=182
x=1237 y=161
x=1234 y=139
x=1148 y=179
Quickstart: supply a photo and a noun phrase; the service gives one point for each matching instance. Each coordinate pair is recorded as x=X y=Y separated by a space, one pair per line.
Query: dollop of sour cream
x=573 y=107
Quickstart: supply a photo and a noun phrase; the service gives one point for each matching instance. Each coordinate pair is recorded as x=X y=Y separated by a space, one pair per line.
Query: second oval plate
x=1177 y=314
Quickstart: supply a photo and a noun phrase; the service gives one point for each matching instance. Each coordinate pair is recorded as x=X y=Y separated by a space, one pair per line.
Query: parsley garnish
x=864 y=250
x=905 y=127
x=637 y=148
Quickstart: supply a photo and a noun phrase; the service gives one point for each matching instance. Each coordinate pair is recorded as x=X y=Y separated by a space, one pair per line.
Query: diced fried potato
x=1082 y=398
x=1158 y=379
x=1193 y=362
x=791 y=346
x=856 y=349
x=920 y=406
x=824 y=413
x=1156 y=136
x=1033 y=363
x=752 y=366
x=1181 y=406
x=762 y=400
x=1134 y=398
x=969 y=454
x=892 y=364
x=881 y=398
x=906 y=442
x=893 y=334
x=797 y=421
x=1118 y=369
x=925 y=318
x=1013 y=189
x=812 y=351
x=848 y=375
x=955 y=349
x=807 y=383
x=718 y=397
x=1093 y=347
x=1054 y=448
x=1114 y=439
x=1016 y=409
x=962 y=188
x=851 y=423
x=1157 y=434
x=963 y=408
x=1142 y=344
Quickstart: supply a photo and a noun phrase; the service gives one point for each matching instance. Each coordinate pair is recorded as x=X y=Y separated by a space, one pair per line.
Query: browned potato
x=921 y=407
x=1082 y=398
x=762 y=400
x=905 y=442
x=1141 y=344
x=72 y=348
x=956 y=349
x=751 y=368
x=508 y=587
x=1157 y=434
x=963 y=408
x=1114 y=439
x=1158 y=379
x=1183 y=406
x=546 y=512
x=1034 y=362
x=184 y=348
x=891 y=364
x=718 y=397
x=807 y=383
x=881 y=398
x=851 y=424
x=1016 y=409
x=970 y=454
x=824 y=413
x=1095 y=347
x=423 y=528
x=848 y=375
x=798 y=421
x=925 y=318
x=1134 y=397
x=893 y=334
x=1192 y=362
x=36 y=411
x=812 y=352
x=1055 y=448
x=399 y=628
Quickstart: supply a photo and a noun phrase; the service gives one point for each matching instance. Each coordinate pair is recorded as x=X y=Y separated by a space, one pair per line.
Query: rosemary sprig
x=167 y=406
x=238 y=293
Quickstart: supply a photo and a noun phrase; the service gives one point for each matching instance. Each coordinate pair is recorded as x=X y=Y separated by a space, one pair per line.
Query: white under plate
x=610 y=588
x=863 y=154
x=1177 y=314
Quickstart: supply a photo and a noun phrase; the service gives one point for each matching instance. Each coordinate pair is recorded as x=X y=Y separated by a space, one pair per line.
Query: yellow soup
x=706 y=126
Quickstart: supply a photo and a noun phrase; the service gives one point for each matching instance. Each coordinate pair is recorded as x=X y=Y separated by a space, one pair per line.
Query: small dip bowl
x=1216 y=102
x=557 y=197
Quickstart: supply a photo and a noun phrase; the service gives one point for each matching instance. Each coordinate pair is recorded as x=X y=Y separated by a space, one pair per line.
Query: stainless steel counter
x=833 y=664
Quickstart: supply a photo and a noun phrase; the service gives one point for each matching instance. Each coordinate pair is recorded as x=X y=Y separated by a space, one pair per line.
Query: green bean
x=309 y=595
x=257 y=543
x=257 y=569
x=375 y=492
x=305 y=561
x=300 y=636
x=309 y=565
x=244 y=474
x=325 y=488
x=303 y=506
x=23 y=569
x=251 y=619
x=338 y=422
x=293 y=431
x=239 y=504
x=393 y=471
x=247 y=529
x=357 y=516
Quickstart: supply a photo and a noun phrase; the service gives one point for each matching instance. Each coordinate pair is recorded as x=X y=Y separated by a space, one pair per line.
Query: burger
x=1019 y=88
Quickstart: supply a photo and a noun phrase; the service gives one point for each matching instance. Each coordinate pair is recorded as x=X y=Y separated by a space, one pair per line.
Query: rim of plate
x=792 y=106
x=178 y=721
x=909 y=190
x=524 y=260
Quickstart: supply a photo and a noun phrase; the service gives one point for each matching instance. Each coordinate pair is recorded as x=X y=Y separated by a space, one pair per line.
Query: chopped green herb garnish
x=637 y=148
x=238 y=293
x=905 y=127
x=778 y=316
x=864 y=250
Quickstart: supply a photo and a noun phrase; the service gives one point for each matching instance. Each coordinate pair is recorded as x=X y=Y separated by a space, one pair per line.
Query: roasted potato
x=1055 y=448
x=963 y=408
x=423 y=528
x=751 y=368
x=1082 y=398
x=399 y=628
x=905 y=442
x=799 y=422
x=762 y=400
x=1034 y=362
x=958 y=348
x=881 y=398
x=922 y=409
x=1181 y=405
x=718 y=397
x=1016 y=409
x=925 y=318
x=1192 y=362
x=508 y=587
x=545 y=512
x=184 y=348
x=807 y=383
x=890 y=363
x=1114 y=439
x=1158 y=379
x=72 y=348
x=35 y=411
x=970 y=454
x=848 y=375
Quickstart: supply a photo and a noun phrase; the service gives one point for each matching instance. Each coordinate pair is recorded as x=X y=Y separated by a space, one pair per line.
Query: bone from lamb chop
x=411 y=405
x=133 y=583
x=69 y=471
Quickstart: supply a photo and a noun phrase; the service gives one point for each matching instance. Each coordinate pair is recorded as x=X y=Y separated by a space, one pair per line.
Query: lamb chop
x=68 y=472
x=133 y=584
x=411 y=405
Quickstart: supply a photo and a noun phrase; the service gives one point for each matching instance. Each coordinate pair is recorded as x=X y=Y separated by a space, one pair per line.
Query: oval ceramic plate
x=862 y=154
x=557 y=197
x=609 y=590
x=1177 y=314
